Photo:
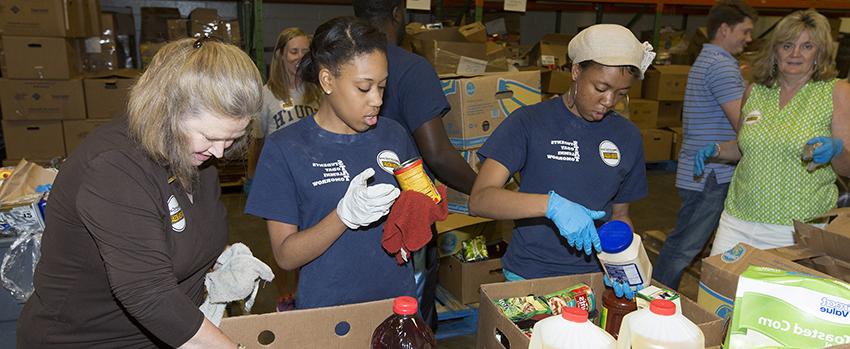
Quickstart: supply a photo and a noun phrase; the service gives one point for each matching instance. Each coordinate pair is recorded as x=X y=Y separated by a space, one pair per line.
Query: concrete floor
x=655 y=212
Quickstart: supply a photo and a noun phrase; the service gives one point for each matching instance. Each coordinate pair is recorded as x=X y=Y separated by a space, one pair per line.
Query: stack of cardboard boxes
x=163 y=24
x=657 y=112
x=42 y=93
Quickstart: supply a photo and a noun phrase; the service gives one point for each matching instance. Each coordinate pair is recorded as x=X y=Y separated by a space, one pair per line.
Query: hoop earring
x=571 y=96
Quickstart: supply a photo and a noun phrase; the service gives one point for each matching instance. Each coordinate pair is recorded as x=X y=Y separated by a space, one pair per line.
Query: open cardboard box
x=491 y=320
x=345 y=326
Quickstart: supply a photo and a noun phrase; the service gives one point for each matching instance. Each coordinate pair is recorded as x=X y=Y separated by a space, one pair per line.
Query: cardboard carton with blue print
x=479 y=104
x=780 y=309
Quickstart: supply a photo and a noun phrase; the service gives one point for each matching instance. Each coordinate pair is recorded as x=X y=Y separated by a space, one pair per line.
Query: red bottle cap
x=405 y=305
x=662 y=307
x=574 y=314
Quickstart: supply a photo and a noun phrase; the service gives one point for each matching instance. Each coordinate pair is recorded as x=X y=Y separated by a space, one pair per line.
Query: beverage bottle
x=623 y=257
x=571 y=330
x=659 y=327
x=613 y=310
x=404 y=329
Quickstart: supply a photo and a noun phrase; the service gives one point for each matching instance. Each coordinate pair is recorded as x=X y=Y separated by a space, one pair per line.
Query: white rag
x=235 y=276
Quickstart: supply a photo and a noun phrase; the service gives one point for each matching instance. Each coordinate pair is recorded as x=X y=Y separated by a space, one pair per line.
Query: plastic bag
x=18 y=266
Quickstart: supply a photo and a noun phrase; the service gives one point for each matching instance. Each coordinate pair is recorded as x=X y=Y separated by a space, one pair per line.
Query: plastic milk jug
x=570 y=330
x=659 y=327
x=623 y=257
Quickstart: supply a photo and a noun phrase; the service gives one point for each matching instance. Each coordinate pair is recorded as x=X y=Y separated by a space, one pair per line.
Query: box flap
x=833 y=241
x=457 y=221
x=117 y=73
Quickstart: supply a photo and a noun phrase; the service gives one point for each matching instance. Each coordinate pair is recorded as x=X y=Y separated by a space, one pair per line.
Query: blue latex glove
x=699 y=158
x=621 y=289
x=828 y=150
x=574 y=222
x=246 y=186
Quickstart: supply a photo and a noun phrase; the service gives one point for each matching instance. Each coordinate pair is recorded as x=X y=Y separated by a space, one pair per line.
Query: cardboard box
x=669 y=114
x=464 y=279
x=666 y=82
x=147 y=50
x=552 y=50
x=106 y=95
x=636 y=91
x=479 y=104
x=55 y=18
x=177 y=29
x=719 y=275
x=678 y=138
x=42 y=99
x=41 y=58
x=155 y=23
x=455 y=58
x=347 y=326
x=33 y=139
x=491 y=320
x=643 y=113
x=474 y=32
x=450 y=239
x=556 y=81
x=656 y=144
x=76 y=131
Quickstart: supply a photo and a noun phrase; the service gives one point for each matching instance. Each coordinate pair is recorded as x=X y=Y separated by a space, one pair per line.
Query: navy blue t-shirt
x=413 y=95
x=302 y=174
x=595 y=164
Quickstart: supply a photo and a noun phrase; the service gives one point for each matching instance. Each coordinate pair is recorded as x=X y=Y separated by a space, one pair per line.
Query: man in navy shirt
x=414 y=97
x=712 y=109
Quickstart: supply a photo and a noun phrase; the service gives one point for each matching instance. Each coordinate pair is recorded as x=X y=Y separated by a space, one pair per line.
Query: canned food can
x=411 y=176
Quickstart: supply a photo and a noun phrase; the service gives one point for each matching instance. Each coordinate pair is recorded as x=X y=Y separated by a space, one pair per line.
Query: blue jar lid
x=615 y=236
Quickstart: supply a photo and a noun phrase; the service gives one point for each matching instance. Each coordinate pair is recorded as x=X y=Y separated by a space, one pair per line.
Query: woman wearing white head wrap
x=579 y=161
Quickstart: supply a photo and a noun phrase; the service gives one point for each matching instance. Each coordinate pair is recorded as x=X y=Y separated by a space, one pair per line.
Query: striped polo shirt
x=714 y=79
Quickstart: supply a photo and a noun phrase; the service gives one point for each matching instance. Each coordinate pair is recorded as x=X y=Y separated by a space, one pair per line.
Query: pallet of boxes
x=63 y=74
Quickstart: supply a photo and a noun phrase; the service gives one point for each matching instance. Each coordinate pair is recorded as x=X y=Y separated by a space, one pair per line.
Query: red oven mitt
x=408 y=227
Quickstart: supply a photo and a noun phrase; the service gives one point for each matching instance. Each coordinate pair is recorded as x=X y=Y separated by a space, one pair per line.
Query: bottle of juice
x=623 y=257
x=659 y=327
x=404 y=329
x=571 y=330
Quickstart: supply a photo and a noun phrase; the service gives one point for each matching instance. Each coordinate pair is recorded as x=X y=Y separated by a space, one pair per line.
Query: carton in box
x=33 y=139
x=479 y=104
x=656 y=144
x=669 y=114
x=556 y=81
x=106 y=94
x=643 y=113
x=678 y=138
x=491 y=320
x=464 y=279
x=56 y=18
x=719 y=275
x=42 y=99
x=76 y=131
x=550 y=51
x=41 y=58
x=666 y=82
x=155 y=23
x=346 y=326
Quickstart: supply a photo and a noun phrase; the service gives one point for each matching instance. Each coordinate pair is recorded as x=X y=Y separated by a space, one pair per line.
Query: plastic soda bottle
x=623 y=256
x=659 y=327
x=404 y=329
x=571 y=330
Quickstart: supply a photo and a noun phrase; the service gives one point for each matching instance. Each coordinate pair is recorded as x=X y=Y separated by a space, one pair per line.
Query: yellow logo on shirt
x=178 y=219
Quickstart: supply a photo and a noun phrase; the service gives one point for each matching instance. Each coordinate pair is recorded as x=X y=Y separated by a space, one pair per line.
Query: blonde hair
x=788 y=30
x=279 y=77
x=186 y=78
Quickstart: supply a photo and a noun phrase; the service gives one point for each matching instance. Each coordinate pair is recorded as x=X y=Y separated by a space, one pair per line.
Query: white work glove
x=363 y=205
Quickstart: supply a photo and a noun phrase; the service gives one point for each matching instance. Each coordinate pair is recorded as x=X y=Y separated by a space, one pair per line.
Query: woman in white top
x=285 y=98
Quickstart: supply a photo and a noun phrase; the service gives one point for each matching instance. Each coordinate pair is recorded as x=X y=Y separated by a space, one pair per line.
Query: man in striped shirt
x=711 y=112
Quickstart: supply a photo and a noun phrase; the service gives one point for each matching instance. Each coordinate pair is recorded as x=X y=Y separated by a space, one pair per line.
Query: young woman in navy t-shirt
x=325 y=184
x=578 y=161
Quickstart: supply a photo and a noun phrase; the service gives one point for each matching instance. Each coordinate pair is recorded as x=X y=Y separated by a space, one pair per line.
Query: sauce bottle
x=404 y=329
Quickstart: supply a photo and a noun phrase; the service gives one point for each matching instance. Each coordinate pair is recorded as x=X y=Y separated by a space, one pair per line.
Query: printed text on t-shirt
x=332 y=172
x=564 y=151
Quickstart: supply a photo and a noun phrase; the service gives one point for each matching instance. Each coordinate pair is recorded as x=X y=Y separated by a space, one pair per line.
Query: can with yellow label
x=411 y=176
